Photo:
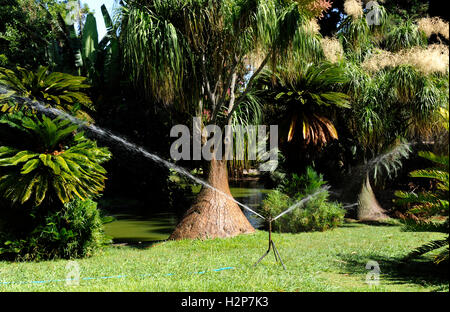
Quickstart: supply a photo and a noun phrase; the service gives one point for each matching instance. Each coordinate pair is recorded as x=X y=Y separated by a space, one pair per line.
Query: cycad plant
x=48 y=159
x=305 y=93
x=429 y=204
x=63 y=91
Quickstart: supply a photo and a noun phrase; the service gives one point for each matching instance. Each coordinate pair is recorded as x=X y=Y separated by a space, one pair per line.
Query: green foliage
x=60 y=90
x=318 y=214
x=74 y=231
x=47 y=157
x=176 y=41
x=403 y=36
x=25 y=30
x=397 y=99
x=85 y=54
x=355 y=37
x=309 y=183
x=395 y=102
x=305 y=92
x=429 y=204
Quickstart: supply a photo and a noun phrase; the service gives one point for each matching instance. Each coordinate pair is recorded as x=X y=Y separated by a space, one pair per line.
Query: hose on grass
x=105 y=277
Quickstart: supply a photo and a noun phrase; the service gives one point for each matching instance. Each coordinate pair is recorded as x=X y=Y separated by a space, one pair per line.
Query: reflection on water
x=134 y=226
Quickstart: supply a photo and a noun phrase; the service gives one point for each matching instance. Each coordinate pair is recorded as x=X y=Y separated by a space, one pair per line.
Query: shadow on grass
x=355 y=223
x=380 y=223
x=136 y=242
x=421 y=271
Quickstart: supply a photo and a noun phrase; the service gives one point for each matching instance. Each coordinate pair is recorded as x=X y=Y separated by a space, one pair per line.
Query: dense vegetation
x=318 y=214
x=360 y=95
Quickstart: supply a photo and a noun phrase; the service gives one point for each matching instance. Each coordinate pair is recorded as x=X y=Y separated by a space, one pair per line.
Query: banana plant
x=85 y=54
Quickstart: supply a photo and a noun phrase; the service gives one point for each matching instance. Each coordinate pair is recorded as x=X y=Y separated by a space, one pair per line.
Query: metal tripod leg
x=278 y=254
x=274 y=252
x=271 y=245
x=267 y=252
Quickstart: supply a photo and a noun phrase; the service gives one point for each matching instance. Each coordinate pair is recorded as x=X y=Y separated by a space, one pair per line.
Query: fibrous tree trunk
x=213 y=214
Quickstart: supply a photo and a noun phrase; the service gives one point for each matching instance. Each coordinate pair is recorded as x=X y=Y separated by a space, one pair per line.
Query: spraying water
x=138 y=149
x=302 y=202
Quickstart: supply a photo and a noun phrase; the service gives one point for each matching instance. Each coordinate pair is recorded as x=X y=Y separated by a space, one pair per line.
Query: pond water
x=131 y=226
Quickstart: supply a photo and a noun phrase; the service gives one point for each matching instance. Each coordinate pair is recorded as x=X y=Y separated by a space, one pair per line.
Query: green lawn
x=327 y=261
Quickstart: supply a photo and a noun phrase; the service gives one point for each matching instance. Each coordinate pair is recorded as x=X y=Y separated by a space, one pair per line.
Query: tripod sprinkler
x=271 y=219
x=271 y=246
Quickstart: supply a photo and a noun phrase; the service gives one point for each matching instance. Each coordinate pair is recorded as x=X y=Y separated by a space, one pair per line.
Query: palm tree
x=190 y=55
x=63 y=91
x=304 y=93
x=46 y=158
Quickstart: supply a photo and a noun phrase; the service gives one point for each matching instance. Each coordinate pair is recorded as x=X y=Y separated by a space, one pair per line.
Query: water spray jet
x=138 y=149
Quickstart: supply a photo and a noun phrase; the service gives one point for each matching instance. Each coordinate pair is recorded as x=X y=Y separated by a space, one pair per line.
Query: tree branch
x=225 y=88
x=211 y=96
x=249 y=85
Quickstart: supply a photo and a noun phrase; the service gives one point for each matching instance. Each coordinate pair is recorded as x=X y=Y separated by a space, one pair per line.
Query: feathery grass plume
x=353 y=8
x=434 y=25
x=313 y=26
x=433 y=59
x=379 y=60
x=332 y=49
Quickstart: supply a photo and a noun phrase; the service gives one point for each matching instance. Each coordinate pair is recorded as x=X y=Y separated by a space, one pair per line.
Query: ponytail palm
x=196 y=54
x=57 y=161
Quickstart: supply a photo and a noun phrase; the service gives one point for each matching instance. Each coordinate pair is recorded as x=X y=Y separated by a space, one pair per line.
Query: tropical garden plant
x=176 y=42
x=82 y=53
x=48 y=157
x=59 y=90
x=428 y=205
x=395 y=84
x=73 y=231
x=49 y=174
x=303 y=93
x=428 y=210
x=318 y=214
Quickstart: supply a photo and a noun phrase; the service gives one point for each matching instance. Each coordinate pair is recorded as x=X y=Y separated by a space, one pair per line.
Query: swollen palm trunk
x=369 y=209
x=213 y=215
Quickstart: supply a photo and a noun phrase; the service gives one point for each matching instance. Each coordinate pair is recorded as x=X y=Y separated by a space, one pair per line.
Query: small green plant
x=74 y=231
x=300 y=186
x=318 y=214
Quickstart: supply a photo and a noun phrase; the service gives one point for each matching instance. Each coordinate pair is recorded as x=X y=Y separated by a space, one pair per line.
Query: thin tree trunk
x=213 y=215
